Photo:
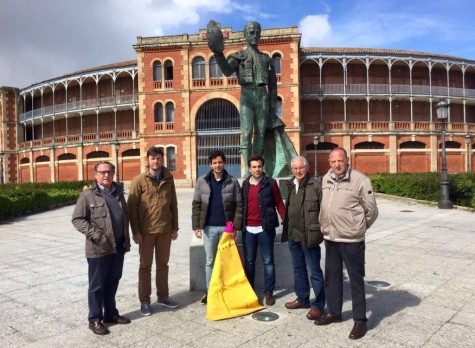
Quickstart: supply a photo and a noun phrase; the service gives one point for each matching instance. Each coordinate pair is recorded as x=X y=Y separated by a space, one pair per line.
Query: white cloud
x=158 y=17
x=52 y=38
x=316 y=30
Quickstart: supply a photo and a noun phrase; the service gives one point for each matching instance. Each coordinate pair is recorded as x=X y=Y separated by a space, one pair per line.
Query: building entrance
x=217 y=128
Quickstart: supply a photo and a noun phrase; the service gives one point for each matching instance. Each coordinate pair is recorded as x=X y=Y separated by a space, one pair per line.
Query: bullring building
x=379 y=104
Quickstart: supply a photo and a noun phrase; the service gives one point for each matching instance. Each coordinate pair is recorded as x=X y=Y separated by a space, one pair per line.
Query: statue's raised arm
x=215 y=38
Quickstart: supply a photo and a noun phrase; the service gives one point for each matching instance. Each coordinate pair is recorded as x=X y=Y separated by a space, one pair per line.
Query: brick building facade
x=377 y=104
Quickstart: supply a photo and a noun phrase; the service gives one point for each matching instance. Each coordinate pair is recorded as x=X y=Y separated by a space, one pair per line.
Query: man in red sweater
x=261 y=197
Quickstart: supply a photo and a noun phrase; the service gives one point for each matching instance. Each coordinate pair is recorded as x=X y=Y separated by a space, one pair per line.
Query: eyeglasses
x=104 y=172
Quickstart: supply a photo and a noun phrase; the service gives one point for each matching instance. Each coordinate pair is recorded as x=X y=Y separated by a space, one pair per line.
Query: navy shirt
x=215 y=215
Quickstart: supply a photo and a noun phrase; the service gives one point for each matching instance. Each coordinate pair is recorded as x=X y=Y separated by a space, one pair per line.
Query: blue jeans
x=265 y=242
x=302 y=259
x=211 y=237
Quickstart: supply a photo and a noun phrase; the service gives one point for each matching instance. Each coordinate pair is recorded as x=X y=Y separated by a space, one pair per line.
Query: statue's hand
x=215 y=38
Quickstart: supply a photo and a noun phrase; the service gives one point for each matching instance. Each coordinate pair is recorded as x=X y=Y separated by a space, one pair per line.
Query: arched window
x=276 y=58
x=42 y=158
x=171 y=158
x=369 y=145
x=25 y=160
x=66 y=156
x=198 y=68
x=168 y=70
x=170 y=110
x=324 y=146
x=451 y=145
x=214 y=117
x=97 y=154
x=131 y=153
x=214 y=69
x=412 y=145
x=278 y=107
x=157 y=71
x=158 y=113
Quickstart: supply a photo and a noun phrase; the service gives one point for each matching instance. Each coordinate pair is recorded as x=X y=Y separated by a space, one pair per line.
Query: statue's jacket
x=252 y=69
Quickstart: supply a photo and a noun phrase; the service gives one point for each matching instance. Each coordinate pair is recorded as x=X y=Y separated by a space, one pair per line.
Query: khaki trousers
x=160 y=243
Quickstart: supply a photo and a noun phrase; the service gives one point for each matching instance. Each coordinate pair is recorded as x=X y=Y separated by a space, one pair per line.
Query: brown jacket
x=152 y=206
x=91 y=217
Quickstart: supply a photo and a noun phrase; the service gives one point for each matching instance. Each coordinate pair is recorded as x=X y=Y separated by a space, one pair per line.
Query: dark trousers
x=104 y=275
x=302 y=259
x=265 y=241
x=353 y=255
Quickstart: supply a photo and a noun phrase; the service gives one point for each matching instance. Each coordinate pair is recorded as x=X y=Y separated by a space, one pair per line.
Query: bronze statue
x=256 y=75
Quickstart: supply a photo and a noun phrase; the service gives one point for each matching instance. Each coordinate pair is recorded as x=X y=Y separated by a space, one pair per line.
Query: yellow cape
x=230 y=294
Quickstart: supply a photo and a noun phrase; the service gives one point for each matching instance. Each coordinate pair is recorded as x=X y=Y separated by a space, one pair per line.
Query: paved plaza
x=424 y=258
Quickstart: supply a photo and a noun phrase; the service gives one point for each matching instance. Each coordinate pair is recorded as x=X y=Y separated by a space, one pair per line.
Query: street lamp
x=1 y=167
x=467 y=143
x=316 y=139
x=442 y=114
x=116 y=147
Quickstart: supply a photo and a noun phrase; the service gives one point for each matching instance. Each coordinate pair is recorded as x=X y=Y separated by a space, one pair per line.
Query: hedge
x=20 y=199
x=426 y=186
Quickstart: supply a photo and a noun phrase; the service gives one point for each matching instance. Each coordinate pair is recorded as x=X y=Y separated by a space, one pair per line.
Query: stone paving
x=426 y=255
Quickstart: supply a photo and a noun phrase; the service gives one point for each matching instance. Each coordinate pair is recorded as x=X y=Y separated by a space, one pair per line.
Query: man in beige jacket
x=348 y=209
x=153 y=213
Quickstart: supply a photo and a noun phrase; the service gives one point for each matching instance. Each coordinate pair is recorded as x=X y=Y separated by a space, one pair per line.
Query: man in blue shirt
x=217 y=200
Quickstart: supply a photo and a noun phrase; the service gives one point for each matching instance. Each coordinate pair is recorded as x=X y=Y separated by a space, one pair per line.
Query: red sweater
x=253 y=214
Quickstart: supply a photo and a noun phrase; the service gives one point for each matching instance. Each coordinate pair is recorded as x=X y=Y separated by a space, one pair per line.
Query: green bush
x=462 y=189
x=426 y=186
x=19 y=199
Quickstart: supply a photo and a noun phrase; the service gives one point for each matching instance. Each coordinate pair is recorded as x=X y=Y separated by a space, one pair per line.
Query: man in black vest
x=261 y=197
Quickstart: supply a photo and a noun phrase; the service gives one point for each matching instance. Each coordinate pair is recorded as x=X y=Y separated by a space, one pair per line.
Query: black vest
x=267 y=206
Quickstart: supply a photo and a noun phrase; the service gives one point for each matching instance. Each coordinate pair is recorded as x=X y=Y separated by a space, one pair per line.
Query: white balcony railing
x=78 y=105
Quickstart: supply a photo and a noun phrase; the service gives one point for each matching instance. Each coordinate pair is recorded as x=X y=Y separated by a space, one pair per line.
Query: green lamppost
x=316 y=140
x=468 y=140
x=443 y=114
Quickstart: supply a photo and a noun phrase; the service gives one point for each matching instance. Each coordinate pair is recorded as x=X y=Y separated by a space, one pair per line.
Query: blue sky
x=49 y=38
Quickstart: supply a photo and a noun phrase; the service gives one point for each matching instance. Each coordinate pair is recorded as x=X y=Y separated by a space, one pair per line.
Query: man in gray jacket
x=101 y=215
x=217 y=200
x=348 y=209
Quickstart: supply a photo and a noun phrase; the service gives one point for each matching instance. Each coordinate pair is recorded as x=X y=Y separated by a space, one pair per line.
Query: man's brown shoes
x=118 y=319
x=314 y=314
x=98 y=328
x=296 y=305
x=328 y=319
x=269 y=300
x=359 y=330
